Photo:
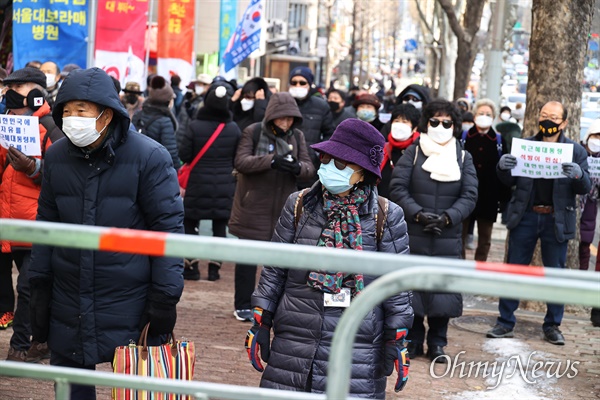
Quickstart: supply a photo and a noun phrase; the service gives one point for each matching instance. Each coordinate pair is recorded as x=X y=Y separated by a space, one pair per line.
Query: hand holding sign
x=542 y=160
x=21 y=132
x=572 y=170
x=20 y=162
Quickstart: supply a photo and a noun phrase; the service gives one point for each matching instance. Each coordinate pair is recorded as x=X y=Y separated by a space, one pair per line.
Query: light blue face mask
x=366 y=115
x=335 y=180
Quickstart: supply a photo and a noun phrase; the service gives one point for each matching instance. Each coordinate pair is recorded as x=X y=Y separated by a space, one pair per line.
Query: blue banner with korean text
x=50 y=30
x=246 y=37
x=228 y=19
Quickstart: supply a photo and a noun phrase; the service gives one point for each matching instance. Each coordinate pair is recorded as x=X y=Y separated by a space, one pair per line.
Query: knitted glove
x=258 y=338
x=436 y=225
x=277 y=161
x=39 y=308
x=161 y=312
x=507 y=161
x=292 y=166
x=396 y=356
x=572 y=170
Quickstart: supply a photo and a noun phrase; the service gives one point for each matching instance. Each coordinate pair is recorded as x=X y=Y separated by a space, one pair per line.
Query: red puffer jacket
x=18 y=192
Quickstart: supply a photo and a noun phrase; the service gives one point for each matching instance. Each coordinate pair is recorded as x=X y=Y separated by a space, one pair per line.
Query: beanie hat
x=370 y=99
x=357 y=142
x=217 y=98
x=593 y=129
x=27 y=74
x=159 y=91
x=304 y=72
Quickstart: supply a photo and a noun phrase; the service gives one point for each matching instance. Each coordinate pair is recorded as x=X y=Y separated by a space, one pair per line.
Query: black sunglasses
x=434 y=122
x=325 y=158
x=298 y=83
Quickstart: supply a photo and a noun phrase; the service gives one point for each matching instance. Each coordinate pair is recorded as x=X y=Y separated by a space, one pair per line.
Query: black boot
x=190 y=270
x=213 y=271
x=437 y=353
x=415 y=350
x=595 y=317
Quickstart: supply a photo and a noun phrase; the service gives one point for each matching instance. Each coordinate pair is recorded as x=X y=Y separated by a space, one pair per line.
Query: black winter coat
x=98 y=297
x=303 y=328
x=563 y=194
x=341 y=116
x=492 y=192
x=317 y=123
x=159 y=124
x=414 y=190
x=209 y=194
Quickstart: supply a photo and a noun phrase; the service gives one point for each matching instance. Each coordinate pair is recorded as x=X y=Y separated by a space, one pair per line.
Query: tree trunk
x=557 y=49
x=353 y=44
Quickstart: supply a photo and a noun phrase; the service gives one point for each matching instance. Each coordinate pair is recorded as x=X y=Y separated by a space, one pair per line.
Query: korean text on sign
x=594 y=167
x=541 y=160
x=21 y=132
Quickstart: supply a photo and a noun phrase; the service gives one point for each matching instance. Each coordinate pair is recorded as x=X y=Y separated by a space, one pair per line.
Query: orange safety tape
x=134 y=241
x=509 y=268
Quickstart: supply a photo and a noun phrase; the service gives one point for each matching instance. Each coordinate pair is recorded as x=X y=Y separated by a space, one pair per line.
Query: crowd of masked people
x=342 y=170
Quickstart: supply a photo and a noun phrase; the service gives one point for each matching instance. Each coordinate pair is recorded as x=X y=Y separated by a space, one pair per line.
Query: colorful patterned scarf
x=342 y=231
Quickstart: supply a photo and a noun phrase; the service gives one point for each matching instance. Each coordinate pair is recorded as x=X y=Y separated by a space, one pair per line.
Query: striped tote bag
x=172 y=360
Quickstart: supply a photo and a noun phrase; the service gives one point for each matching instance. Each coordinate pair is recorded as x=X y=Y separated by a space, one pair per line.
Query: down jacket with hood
x=261 y=191
x=303 y=328
x=256 y=114
x=98 y=298
x=414 y=190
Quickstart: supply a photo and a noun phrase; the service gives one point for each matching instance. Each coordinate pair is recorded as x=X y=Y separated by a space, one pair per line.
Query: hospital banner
x=48 y=30
x=120 y=34
x=176 y=39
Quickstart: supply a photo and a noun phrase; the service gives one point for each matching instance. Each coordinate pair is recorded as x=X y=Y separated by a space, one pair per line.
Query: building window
x=297 y=15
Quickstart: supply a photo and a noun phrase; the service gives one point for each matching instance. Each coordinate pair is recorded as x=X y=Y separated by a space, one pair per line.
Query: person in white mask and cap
x=435 y=183
x=52 y=72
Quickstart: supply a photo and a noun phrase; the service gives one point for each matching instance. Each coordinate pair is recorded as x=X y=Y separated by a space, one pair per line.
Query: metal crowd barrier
x=402 y=272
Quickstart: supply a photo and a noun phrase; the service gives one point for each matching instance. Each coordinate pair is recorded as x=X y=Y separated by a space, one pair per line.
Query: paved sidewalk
x=205 y=316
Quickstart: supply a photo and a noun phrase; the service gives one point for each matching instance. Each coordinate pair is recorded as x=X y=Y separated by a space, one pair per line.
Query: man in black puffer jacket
x=317 y=120
x=88 y=302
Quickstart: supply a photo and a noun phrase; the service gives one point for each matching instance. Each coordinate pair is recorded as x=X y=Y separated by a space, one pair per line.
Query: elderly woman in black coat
x=436 y=185
x=338 y=211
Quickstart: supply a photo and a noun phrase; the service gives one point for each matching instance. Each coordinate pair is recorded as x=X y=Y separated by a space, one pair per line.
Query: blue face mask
x=366 y=115
x=335 y=180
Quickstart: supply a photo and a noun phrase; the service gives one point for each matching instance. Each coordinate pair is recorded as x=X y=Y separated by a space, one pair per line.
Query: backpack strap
x=383 y=205
x=499 y=144
x=299 y=206
x=463 y=138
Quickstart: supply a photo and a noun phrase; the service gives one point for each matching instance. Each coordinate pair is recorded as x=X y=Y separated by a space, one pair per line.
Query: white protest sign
x=21 y=132
x=540 y=159
x=594 y=167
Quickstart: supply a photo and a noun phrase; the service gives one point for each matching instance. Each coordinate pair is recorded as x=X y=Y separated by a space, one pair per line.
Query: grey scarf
x=267 y=137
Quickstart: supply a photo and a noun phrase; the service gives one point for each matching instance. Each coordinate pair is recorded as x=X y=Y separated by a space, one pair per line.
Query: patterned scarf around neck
x=342 y=231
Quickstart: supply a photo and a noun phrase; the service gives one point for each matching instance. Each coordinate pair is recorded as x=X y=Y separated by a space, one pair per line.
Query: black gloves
x=396 y=356
x=258 y=338
x=161 y=312
x=39 y=308
x=424 y=218
x=286 y=163
x=436 y=225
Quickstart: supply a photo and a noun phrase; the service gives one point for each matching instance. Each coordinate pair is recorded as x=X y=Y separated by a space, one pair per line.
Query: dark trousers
x=484 y=237
x=7 y=293
x=521 y=245
x=21 y=337
x=245 y=281
x=437 y=335
x=78 y=392
x=584 y=257
x=219 y=227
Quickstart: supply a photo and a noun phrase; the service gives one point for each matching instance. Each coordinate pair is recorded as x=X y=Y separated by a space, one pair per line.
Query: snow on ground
x=508 y=378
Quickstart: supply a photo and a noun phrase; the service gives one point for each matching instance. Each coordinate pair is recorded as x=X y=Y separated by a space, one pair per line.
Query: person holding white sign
x=543 y=209
x=24 y=140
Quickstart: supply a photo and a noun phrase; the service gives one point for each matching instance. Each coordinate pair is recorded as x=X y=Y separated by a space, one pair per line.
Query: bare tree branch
x=424 y=20
x=453 y=19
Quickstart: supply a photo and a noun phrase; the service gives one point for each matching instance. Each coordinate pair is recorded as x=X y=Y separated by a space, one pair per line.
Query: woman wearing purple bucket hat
x=341 y=211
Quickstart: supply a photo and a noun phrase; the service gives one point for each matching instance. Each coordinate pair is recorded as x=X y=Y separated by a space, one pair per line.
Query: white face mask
x=246 y=104
x=483 y=121
x=467 y=126
x=81 y=131
x=50 y=80
x=298 y=92
x=505 y=116
x=439 y=134
x=401 y=131
x=594 y=145
x=198 y=89
x=417 y=104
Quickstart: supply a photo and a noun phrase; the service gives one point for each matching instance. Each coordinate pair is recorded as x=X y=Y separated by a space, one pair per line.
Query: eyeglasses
x=325 y=158
x=434 y=122
x=298 y=83
x=554 y=118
